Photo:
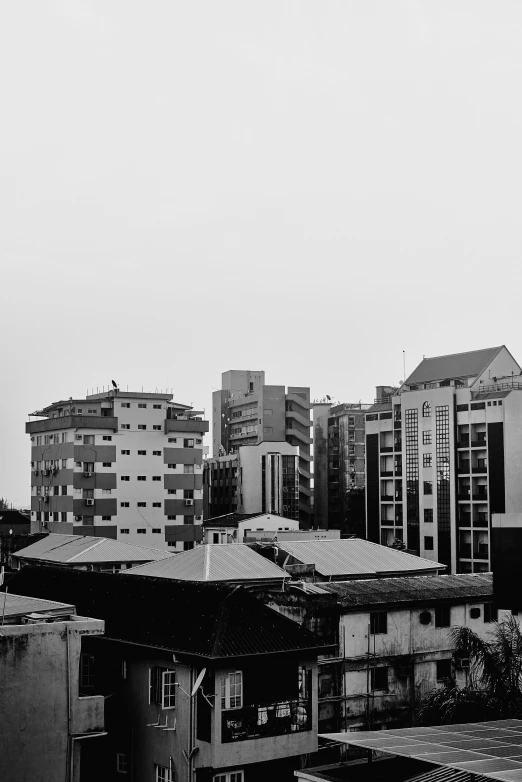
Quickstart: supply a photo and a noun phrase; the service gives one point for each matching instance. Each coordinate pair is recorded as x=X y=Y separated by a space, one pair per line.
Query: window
x=142 y=427
x=426 y=437
x=156 y=407
x=188 y=519
x=173 y=439
x=106 y=491
x=64 y=464
x=86 y=671
x=162 y=687
x=156 y=531
x=229 y=776
x=106 y=518
x=107 y=464
x=124 y=504
x=64 y=489
x=426 y=460
x=156 y=477
x=428 y=515
x=171 y=518
x=125 y=426
x=141 y=504
x=141 y=531
x=125 y=452
x=490 y=612
x=172 y=491
x=142 y=453
x=125 y=404
x=171 y=466
x=442 y=616
x=122 y=763
x=56 y=516
x=443 y=670
x=188 y=469
x=80 y=410
x=188 y=494
x=379 y=678
x=63 y=516
x=188 y=443
x=426 y=410
x=232 y=691
x=428 y=487
x=107 y=437
x=88 y=439
x=124 y=478
x=64 y=437
x=156 y=453
x=142 y=477
x=88 y=494
x=164 y=774
x=428 y=543
x=157 y=427
x=156 y=504
x=142 y=405
x=378 y=622
x=124 y=531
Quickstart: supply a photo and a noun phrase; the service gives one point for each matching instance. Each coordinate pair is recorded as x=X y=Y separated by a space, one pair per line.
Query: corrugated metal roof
x=355 y=557
x=491 y=395
x=464 y=586
x=468 y=364
x=18 y=605
x=213 y=562
x=379 y=407
x=88 y=549
x=233 y=519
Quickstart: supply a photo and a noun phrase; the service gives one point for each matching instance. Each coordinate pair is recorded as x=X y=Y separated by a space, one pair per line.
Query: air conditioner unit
x=199 y=442
x=87 y=474
x=462 y=662
x=189 y=502
x=78 y=518
x=198 y=518
x=89 y=502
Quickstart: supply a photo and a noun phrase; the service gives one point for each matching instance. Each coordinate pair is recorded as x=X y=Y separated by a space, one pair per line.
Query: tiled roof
x=355 y=557
x=205 y=620
x=72 y=549
x=213 y=562
x=457 y=365
x=462 y=587
x=19 y=605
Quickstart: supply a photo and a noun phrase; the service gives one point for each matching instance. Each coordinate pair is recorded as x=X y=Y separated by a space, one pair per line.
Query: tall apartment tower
x=339 y=465
x=248 y=412
x=443 y=454
x=121 y=465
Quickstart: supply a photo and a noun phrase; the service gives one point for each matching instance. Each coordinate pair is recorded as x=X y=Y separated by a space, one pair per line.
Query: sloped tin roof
x=355 y=557
x=71 y=549
x=462 y=587
x=213 y=562
x=211 y=621
x=457 y=365
x=19 y=605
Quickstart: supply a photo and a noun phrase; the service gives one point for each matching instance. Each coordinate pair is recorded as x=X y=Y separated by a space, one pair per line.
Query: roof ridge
x=85 y=550
x=464 y=353
x=206 y=563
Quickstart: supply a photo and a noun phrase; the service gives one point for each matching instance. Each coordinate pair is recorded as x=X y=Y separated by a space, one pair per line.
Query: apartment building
x=246 y=411
x=443 y=454
x=339 y=467
x=119 y=464
x=45 y=675
x=261 y=478
x=203 y=681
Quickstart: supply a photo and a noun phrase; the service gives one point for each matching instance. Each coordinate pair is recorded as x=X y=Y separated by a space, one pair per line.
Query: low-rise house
x=235 y=527
x=85 y=553
x=47 y=704
x=342 y=560
x=217 y=563
x=206 y=682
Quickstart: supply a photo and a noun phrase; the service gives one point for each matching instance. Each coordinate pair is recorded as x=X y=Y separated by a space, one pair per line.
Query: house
x=205 y=681
x=237 y=564
x=235 y=527
x=85 y=553
x=48 y=707
x=341 y=560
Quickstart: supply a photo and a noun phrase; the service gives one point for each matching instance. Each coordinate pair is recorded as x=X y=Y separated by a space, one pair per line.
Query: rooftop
x=76 y=549
x=468 y=364
x=14 y=606
x=233 y=519
x=355 y=557
x=393 y=591
x=212 y=621
x=232 y=562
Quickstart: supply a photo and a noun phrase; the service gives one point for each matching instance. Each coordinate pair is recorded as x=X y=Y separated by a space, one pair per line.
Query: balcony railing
x=480 y=496
x=386 y=449
x=72 y=421
x=266 y=719
x=397 y=446
x=463 y=442
x=478 y=443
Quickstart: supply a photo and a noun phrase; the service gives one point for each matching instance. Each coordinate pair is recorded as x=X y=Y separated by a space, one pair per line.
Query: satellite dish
x=197 y=683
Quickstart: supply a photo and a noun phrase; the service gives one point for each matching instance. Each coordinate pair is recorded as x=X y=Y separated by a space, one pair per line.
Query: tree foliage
x=494 y=686
x=4 y=505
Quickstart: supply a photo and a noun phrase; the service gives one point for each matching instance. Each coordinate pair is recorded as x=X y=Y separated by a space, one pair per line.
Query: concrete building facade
x=246 y=411
x=120 y=465
x=339 y=466
x=443 y=454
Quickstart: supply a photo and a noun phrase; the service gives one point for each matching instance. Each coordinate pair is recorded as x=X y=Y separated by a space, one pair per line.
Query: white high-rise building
x=125 y=465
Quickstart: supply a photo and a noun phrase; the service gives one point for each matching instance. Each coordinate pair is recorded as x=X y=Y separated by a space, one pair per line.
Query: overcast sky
x=308 y=188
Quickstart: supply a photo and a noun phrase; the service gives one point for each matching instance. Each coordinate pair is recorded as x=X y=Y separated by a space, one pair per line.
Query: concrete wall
x=39 y=667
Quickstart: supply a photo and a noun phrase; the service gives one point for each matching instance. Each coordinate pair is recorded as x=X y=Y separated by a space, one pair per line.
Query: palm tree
x=494 y=687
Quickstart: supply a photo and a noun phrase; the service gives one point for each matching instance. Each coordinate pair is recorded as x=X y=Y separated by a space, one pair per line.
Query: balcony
x=386 y=498
x=397 y=446
x=291 y=432
x=386 y=449
x=480 y=469
x=478 y=443
x=481 y=496
x=88 y=714
x=72 y=422
x=185 y=425
x=397 y=423
x=265 y=720
x=463 y=442
x=300 y=418
x=463 y=469
x=464 y=496
x=387 y=474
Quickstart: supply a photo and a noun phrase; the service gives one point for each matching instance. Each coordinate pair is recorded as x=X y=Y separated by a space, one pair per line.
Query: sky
x=308 y=188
